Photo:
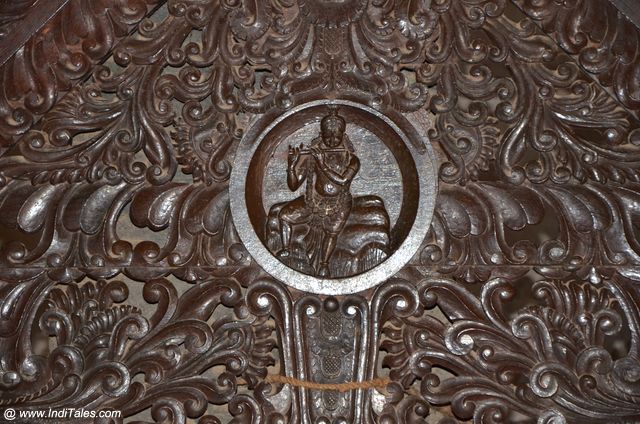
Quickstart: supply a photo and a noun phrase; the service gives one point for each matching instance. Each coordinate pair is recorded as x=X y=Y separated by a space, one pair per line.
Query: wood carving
x=335 y=221
x=464 y=215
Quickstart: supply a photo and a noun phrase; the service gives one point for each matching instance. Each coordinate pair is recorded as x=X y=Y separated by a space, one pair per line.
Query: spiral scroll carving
x=124 y=282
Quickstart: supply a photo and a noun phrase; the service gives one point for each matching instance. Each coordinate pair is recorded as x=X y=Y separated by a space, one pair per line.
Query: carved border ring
x=415 y=141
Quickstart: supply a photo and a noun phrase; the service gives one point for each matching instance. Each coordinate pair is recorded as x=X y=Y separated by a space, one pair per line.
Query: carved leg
x=328 y=245
x=285 y=233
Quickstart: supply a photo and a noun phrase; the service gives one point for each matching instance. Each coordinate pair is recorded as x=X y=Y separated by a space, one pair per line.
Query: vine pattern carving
x=123 y=283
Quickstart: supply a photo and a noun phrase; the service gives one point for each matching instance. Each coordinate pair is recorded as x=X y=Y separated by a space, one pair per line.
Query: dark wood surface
x=630 y=8
x=128 y=280
x=35 y=17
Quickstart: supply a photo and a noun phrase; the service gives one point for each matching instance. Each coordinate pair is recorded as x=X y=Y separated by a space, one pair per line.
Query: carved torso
x=337 y=162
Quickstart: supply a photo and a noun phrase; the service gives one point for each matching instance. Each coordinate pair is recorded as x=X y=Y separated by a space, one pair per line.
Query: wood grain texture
x=57 y=55
x=124 y=283
x=20 y=26
x=630 y=8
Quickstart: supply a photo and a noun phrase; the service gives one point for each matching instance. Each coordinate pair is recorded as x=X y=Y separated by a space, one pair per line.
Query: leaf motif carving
x=123 y=282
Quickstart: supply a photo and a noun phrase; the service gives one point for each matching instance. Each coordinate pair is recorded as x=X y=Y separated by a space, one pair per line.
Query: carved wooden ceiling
x=436 y=202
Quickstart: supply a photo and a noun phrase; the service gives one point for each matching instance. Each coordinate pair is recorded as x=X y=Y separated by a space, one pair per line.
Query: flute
x=308 y=151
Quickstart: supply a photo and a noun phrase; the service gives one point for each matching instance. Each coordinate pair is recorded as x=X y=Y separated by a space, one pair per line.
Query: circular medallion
x=333 y=197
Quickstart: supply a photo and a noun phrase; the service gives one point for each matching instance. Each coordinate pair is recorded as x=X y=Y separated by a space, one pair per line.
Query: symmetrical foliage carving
x=58 y=56
x=600 y=37
x=509 y=104
x=102 y=343
x=124 y=285
x=549 y=362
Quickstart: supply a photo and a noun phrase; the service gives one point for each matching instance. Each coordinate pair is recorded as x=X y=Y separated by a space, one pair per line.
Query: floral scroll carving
x=124 y=282
x=48 y=66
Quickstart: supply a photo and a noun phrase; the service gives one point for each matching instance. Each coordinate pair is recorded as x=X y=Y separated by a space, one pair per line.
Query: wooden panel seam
x=41 y=13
